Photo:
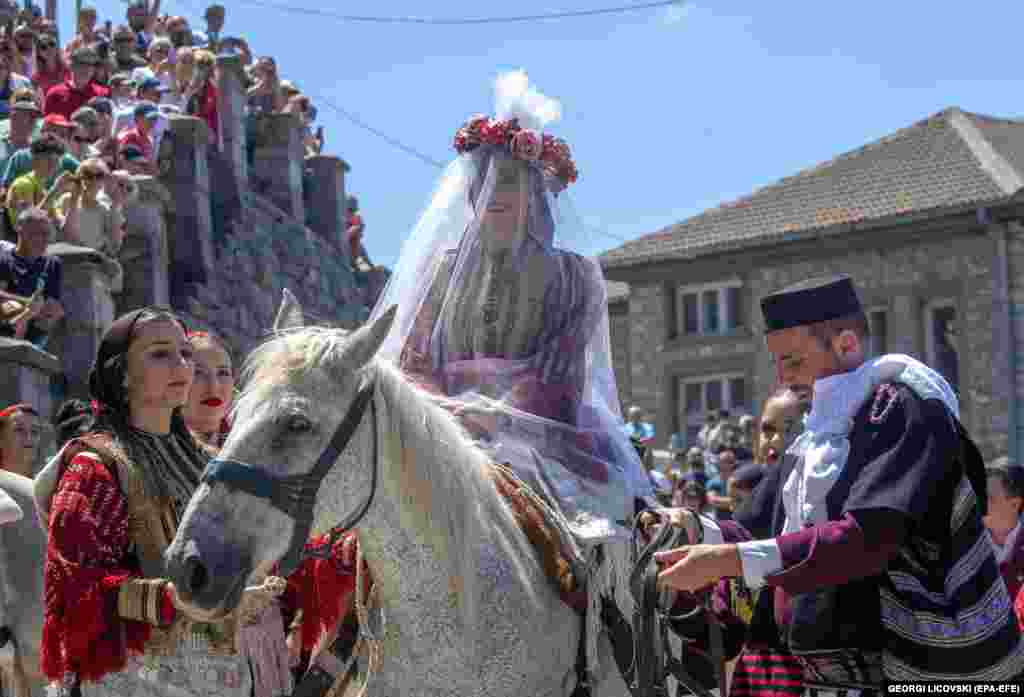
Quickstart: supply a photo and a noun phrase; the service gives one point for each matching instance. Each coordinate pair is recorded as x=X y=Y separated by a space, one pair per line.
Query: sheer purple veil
x=448 y=239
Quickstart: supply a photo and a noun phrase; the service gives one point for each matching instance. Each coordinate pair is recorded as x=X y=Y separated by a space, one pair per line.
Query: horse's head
x=249 y=512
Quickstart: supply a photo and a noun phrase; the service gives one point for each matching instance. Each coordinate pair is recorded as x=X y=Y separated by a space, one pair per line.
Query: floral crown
x=552 y=154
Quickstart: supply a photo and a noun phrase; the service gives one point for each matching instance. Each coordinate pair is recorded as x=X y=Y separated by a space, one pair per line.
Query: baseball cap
x=147 y=110
x=101 y=105
x=123 y=31
x=86 y=115
x=131 y=153
x=57 y=120
x=85 y=56
x=151 y=83
x=26 y=105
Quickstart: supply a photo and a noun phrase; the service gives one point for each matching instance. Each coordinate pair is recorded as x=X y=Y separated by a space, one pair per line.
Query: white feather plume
x=516 y=98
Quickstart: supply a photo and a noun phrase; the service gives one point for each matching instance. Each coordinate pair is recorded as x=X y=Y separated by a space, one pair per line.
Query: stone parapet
x=327 y=211
x=278 y=163
x=144 y=256
x=190 y=225
x=231 y=102
x=88 y=312
x=26 y=376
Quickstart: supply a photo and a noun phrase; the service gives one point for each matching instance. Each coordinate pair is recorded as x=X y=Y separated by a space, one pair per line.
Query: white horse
x=468 y=609
x=22 y=555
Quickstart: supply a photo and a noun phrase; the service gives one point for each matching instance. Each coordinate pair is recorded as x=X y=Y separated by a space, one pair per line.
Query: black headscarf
x=172 y=464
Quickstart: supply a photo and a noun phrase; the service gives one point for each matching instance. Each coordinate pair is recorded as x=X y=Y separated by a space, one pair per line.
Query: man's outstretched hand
x=695 y=567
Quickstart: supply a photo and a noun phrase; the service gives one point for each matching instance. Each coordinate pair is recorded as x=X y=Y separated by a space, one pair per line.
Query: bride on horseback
x=507 y=327
x=508 y=330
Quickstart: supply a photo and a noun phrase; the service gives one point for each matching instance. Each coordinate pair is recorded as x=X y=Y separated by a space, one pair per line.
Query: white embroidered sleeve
x=759 y=558
x=10 y=511
x=712 y=533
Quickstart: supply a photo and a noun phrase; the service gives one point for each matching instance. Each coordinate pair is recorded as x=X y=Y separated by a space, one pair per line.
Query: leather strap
x=315 y=683
x=295 y=496
x=654 y=661
x=582 y=676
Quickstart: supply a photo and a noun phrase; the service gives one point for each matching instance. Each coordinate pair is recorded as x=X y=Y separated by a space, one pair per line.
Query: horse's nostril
x=196 y=575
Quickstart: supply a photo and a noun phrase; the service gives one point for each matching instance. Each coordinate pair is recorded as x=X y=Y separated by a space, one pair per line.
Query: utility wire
x=408 y=149
x=438 y=21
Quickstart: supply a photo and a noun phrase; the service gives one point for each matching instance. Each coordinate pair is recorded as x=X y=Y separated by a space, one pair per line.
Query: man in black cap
x=879 y=567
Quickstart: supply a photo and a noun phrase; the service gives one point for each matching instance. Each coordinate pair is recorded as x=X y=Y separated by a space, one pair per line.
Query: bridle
x=295 y=496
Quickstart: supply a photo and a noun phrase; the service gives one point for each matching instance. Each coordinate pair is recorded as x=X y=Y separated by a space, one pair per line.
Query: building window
x=701 y=396
x=691 y=317
x=878 y=321
x=942 y=338
x=712 y=310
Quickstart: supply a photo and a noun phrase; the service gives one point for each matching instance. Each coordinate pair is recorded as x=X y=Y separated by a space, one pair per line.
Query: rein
x=295 y=496
x=642 y=649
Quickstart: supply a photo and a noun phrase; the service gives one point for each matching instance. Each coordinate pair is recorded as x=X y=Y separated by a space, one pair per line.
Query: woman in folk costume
x=510 y=329
x=261 y=637
x=113 y=499
x=209 y=400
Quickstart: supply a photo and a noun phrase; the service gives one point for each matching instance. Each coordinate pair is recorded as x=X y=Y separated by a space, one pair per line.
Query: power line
x=408 y=149
x=485 y=20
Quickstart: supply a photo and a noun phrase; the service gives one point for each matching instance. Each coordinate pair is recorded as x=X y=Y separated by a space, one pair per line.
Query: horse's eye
x=299 y=424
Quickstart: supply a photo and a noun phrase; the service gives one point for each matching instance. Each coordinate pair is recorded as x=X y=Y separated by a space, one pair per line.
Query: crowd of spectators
x=79 y=122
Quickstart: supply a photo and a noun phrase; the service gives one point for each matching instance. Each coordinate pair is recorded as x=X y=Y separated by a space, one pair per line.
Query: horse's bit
x=295 y=496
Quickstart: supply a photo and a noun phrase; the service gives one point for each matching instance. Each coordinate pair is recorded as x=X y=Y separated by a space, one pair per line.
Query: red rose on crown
x=494 y=132
x=526 y=145
x=553 y=154
x=475 y=123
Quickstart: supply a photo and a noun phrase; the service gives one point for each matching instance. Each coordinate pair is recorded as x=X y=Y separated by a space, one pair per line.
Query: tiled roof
x=951 y=159
x=617 y=291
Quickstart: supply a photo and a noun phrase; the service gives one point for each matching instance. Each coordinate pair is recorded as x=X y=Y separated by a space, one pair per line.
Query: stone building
x=217 y=235
x=927 y=220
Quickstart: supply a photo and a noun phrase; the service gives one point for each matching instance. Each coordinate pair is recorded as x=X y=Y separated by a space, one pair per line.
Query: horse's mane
x=437 y=474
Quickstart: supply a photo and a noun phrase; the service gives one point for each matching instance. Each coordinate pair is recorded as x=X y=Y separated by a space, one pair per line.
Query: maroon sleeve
x=857 y=546
x=733 y=532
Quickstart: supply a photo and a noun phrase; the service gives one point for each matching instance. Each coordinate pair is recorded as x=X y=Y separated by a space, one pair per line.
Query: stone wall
x=895 y=271
x=1015 y=263
x=619 y=329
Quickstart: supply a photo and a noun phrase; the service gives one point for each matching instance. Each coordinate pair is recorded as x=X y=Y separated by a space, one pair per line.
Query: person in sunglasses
x=50 y=67
x=10 y=81
x=86 y=35
x=91 y=214
x=126 y=54
x=25 y=43
x=21 y=124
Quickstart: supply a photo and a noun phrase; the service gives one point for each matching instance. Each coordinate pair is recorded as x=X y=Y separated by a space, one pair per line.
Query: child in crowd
x=782 y=420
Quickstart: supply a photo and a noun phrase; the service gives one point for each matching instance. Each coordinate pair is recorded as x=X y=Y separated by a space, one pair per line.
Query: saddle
x=545 y=538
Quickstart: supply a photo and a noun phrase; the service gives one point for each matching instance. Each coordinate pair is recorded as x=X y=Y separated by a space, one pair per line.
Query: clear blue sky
x=668 y=112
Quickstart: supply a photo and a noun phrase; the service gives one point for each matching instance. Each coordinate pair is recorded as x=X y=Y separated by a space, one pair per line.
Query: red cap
x=57 y=120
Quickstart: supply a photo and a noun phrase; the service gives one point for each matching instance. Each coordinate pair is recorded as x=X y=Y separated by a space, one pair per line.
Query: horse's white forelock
x=441 y=473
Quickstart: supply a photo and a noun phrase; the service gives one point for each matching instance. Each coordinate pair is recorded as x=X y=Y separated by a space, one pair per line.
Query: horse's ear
x=289 y=316
x=366 y=341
